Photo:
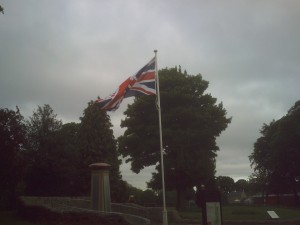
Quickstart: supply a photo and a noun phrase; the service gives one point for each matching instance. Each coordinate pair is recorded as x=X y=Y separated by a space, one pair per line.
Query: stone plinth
x=100 y=188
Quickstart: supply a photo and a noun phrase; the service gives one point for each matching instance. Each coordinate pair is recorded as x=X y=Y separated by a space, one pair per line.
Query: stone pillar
x=100 y=188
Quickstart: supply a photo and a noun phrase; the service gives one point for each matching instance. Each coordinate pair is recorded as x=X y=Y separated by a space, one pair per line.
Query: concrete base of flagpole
x=165 y=217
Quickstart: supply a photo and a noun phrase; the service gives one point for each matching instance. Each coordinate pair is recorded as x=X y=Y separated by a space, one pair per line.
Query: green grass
x=245 y=213
x=192 y=213
x=258 y=212
x=229 y=213
x=10 y=218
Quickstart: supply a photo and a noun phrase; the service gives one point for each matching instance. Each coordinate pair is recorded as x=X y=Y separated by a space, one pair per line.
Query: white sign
x=273 y=214
x=213 y=212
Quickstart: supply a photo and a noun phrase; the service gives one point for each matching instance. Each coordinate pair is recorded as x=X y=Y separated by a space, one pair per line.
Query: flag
x=143 y=82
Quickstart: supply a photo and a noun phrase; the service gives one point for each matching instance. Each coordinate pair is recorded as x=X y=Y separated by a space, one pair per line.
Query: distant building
x=272 y=199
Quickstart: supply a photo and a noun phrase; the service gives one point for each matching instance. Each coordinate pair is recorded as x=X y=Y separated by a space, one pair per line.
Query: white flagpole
x=165 y=215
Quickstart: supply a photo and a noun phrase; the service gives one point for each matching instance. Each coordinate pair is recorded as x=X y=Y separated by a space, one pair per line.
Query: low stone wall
x=57 y=202
x=154 y=214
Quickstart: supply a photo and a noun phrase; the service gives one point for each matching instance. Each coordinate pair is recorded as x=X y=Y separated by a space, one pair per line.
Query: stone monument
x=100 y=188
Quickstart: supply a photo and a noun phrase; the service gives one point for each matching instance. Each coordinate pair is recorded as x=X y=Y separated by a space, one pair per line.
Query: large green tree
x=241 y=185
x=97 y=144
x=226 y=185
x=67 y=158
x=276 y=153
x=191 y=121
x=43 y=177
x=41 y=126
x=12 y=137
x=258 y=183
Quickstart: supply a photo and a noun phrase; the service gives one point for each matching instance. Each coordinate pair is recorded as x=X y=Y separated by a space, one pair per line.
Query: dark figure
x=131 y=199
x=203 y=196
x=201 y=201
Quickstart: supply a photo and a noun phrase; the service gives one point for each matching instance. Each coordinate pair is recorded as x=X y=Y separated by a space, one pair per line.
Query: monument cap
x=99 y=166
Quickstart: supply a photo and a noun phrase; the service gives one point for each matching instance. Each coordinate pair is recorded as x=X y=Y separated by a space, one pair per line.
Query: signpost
x=213 y=213
x=210 y=202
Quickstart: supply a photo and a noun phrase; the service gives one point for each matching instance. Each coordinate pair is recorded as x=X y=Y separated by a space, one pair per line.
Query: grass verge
x=245 y=213
x=10 y=218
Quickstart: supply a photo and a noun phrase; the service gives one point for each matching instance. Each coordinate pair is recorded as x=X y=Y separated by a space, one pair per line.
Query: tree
x=43 y=178
x=40 y=126
x=226 y=185
x=67 y=158
x=277 y=152
x=97 y=144
x=12 y=138
x=258 y=183
x=191 y=122
x=1 y=9
x=241 y=185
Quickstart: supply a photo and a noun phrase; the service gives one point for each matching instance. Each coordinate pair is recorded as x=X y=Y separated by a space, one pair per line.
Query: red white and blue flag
x=143 y=82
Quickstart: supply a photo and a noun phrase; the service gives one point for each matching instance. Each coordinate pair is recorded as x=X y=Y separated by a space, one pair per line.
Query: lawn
x=246 y=213
x=229 y=213
x=9 y=218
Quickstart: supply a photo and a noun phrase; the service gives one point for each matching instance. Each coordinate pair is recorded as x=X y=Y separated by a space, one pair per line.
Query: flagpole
x=165 y=215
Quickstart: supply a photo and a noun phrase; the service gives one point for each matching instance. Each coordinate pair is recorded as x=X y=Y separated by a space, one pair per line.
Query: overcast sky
x=65 y=53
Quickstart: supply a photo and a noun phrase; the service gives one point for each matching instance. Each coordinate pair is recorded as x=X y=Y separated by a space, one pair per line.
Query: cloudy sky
x=67 y=52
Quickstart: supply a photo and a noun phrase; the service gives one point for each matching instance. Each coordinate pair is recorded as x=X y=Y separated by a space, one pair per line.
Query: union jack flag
x=143 y=82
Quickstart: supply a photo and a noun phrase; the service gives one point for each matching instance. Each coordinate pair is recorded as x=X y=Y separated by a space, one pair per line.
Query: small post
x=100 y=188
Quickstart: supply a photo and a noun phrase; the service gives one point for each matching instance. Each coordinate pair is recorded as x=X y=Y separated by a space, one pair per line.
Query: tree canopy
x=43 y=176
x=97 y=144
x=276 y=153
x=12 y=139
x=191 y=121
x=226 y=184
x=58 y=155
